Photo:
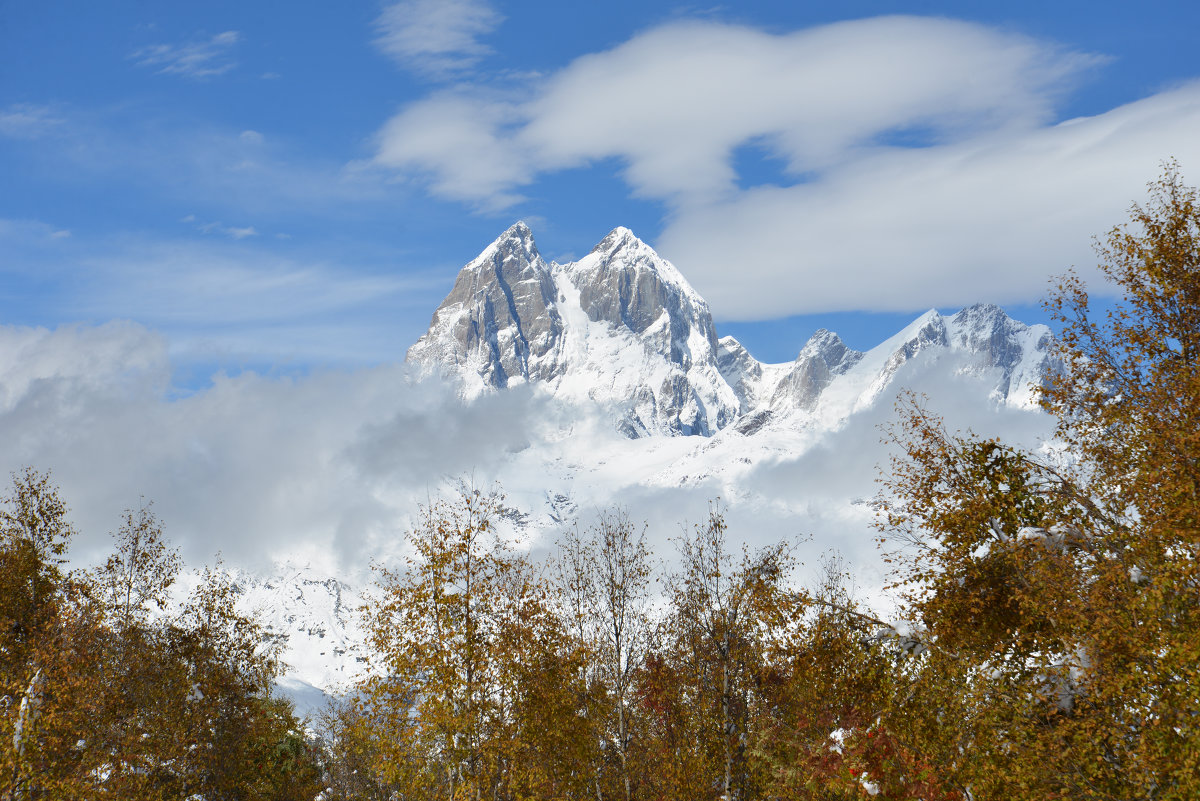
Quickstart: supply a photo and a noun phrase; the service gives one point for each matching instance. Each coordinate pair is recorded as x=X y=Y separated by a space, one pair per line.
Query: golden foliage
x=1060 y=592
x=103 y=700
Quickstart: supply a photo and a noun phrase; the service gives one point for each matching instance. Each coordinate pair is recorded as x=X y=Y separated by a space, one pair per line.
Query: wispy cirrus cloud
x=28 y=121
x=439 y=38
x=200 y=59
x=233 y=300
x=246 y=172
x=217 y=227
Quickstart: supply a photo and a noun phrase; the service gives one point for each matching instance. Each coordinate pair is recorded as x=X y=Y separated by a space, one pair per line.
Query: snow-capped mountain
x=623 y=327
x=829 y=380
x=661 y=411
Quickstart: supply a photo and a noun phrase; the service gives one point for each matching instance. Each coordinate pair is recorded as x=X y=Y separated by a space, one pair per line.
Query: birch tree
x=721 y=619
x=606 y=575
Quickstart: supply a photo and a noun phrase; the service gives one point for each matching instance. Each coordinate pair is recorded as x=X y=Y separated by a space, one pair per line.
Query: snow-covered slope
x=314 y=617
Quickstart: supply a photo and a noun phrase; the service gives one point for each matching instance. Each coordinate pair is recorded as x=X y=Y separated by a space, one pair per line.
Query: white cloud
x=217 y=227
x=436 y=37
x=28 y=121
x=921 y=161
x=456 y=139
x=85 y=358
x=675 y=102
x=988 y=219
x=336 y=463
x=258 y=468
x=197 y=59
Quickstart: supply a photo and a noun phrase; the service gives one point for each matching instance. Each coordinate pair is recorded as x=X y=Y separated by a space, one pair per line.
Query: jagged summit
x=624 y=282
x=824 y=357
x=516 y=239
x=621 y=246
x=518 y=230
x=996 y=341
x=616 y=239
x=622 y=327
x=500 y=321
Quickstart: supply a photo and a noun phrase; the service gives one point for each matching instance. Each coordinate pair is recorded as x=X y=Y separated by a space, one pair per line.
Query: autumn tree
x=1128 y=404
x=139 y=677
x=136 y=579
x=230 y=734
x=351 y=748
x=551 y=739
x=829 y=674
x=1059 y=591
x=107 y=694
x=469 y=676
x=435 y=628
x=724 y=612
x=605 y=579
x=48 y=639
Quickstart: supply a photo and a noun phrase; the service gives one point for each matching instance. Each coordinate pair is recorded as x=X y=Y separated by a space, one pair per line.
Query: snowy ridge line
x=623 y=327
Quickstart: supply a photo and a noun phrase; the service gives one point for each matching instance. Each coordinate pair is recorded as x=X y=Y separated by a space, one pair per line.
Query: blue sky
x=277 y=186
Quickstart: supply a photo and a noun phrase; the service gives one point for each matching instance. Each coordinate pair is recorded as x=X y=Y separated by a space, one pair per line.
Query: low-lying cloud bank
x=331 y=468
x=253 y=467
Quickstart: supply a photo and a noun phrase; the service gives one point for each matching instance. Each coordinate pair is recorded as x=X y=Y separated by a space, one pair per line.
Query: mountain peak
x=620 y=324
x=516 y=242
x=622 y=252
x=616 y=239
x=990 y=309
x=822 y=340
x=983 y=315
x=623 y=281
x=500 y=318
x=623 y=326
x=518 y=230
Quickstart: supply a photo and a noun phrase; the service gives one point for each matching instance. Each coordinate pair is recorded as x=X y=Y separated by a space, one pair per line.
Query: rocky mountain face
x=500 y=321
x=314 y=617
x=622 y=327
x=822 y=358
